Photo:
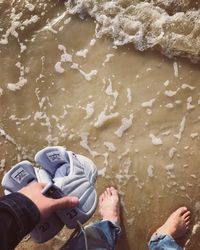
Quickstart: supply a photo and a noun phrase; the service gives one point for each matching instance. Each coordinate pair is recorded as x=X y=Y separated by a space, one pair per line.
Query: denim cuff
x=115 y=224
x=157 y=237
x=162 y=241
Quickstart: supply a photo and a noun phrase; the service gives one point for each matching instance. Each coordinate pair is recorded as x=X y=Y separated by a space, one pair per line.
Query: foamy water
x=66 y=80
x=169 y=26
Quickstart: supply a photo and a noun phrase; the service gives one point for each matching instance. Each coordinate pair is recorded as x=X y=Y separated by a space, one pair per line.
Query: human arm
x=18 y=216
x=21 y=212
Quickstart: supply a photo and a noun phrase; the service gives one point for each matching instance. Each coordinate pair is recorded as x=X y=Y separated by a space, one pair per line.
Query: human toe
x=186 y=214
x=108 y=191
x=113 y=190
x=101 y=198
x=181 y=210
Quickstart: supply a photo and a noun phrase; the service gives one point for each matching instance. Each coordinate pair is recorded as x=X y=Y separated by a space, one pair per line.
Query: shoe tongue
x=52 y=158
x=19 y=176
x=62 y=171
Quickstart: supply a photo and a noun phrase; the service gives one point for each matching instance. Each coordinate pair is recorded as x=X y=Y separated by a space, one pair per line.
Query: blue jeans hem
x=163 y=242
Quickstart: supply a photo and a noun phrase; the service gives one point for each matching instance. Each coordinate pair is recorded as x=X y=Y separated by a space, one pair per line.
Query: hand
x=46 y=205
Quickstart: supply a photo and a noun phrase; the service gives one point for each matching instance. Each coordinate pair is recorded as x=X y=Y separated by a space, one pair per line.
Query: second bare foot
x=177 y=224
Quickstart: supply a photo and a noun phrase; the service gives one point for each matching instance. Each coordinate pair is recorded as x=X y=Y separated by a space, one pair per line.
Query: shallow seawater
x=135 y=114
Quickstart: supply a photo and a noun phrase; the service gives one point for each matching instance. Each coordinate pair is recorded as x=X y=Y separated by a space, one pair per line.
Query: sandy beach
x=135 y=114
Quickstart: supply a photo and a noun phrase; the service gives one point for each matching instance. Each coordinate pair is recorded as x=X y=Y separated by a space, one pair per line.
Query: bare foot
x=109 y=205
x=177 y=224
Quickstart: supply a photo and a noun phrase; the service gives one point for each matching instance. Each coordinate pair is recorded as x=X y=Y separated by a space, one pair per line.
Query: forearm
x=18 y=216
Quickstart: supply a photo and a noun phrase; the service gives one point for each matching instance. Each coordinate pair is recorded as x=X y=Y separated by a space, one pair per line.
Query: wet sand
x=135 y=114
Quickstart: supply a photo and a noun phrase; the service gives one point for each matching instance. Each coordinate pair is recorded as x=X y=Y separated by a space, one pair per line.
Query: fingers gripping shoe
x=20 y=176
x=75 y=175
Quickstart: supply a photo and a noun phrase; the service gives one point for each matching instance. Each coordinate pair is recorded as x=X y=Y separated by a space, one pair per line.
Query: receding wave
x=171 y=26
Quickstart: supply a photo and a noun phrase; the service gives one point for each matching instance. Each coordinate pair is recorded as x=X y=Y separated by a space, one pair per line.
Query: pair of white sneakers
x=66 y=174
